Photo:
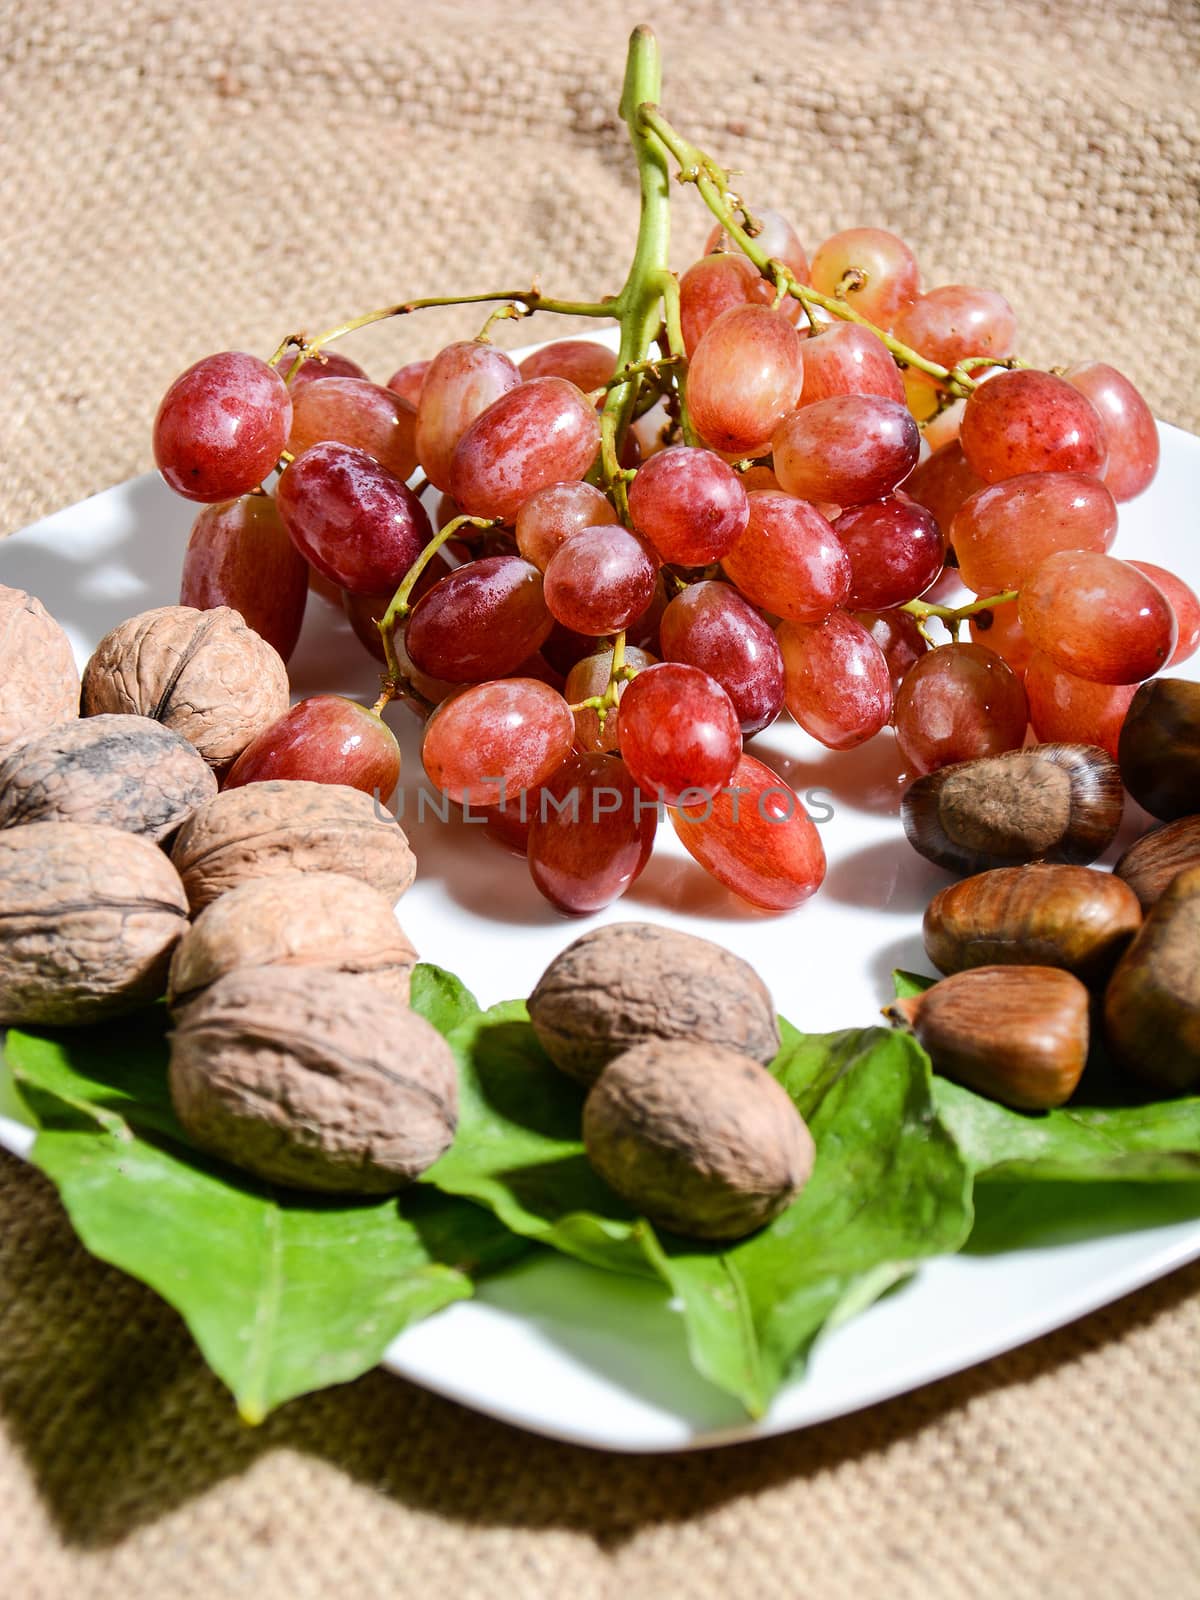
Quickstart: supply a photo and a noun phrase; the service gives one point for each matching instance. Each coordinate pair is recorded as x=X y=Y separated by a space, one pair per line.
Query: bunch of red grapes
x=597 y=641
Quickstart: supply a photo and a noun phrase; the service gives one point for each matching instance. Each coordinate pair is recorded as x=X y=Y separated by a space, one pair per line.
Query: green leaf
x=889 y=1189
x=283 y=1293
x=441 y=998
x=907 y=984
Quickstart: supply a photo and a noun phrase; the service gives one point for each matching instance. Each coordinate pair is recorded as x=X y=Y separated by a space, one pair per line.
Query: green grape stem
x=398 y=607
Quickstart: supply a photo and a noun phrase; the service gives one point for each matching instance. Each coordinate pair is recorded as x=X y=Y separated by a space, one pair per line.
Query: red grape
x=776 y=237
x=488 y=742
x=325 y=364
x=1129 y=426
x=715 y=284
x=365 y=611
x=789 y=560
x=461 y=382
x=1022 y=422
x=554 y=513
x=898 y=636
x=355 y=412
x=711 y=627
x=953 y=322
x=678 y=732
x=1065 y=709
x=407 y=381
x=589 y=677
x=846 y=358
x=352 y=519
x=892 y=278
x=690 y=505
x=239 y=555
x=1184 y=602
x=896 y=551
x=837 y=683
x=324 y=739
x=591 y=835
x=959 y=702
x=943 y=429
x=508 y=825
x=583 y=362
x=643 y=630
x=744 y=377
x=1097 y=617
x=849 y=448
x=1000 y=630
x=481 y=621
x=756 y=838
x=221 y=427
x=1004 y=531
x=599 y=580
x=540 y=433
x=943 y=482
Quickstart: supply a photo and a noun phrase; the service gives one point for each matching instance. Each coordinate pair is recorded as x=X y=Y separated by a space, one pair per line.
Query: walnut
x=313 y=1080
x=634 y=981
x=203 y=673
x=287 y=824
x=39 y=683
x=88 y=919
x=700 y=1139
x=297 y=919
x=121 y=772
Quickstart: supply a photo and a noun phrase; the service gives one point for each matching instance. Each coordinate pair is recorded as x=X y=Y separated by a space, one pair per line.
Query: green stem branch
x=398 y=606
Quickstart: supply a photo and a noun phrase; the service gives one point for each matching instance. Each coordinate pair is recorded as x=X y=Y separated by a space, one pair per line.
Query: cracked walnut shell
x=39 y=682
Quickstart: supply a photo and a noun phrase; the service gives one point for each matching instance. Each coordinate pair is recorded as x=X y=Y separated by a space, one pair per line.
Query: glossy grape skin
x=710 y=626
x=508 y=825
x=943 y=482
x=599 y=580
x=1097 y=617
x=350 y=518
x=776 y=237
x=893 y=278
x=540 y=433
x=948 y=324
x=364 y=611
x=1065 y=709
x=848 y=449
x=1129 y=426
x=1006 y=530
x=326 y=364
x=589 y=677
x=678 y=732
x=643 y=630
x=1021 y=422
x=324 y=739
x=714 y=284
x=481 y=621
x=790 y=560
x=354 y=412
x=554 y=513
x=959 y=702
x=846 y=358
x=581 y=361
x=756 y=838
x=1000 y=630
x=462 y=381
x=897 y=635
x=584 y=856
x=896 y=551
x=407 y=381
x=690 y=505
x=1184 y=602
x=744 y=377
x=239 y=555
x=488 y=742
x=836 y=680
x=221 y=426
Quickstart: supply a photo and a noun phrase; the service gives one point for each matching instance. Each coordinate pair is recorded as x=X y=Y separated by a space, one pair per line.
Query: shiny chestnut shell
x=1159 y=747
x=1151 y=862
x=1152 y=1003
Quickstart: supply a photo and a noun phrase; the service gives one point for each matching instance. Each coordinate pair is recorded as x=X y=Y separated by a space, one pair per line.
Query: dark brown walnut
x=1159 y=747
x=700 y=1139
x=1016 y=1034
x=118 y=772
x=89 y=917
x=1152 y=1004
x=39 y=682
x=314 y=1080
x=203 y=673
x=297 y=919
x=1052 y=802
x=1075 y=918
x=633 y=981
x=1152 y=861
x=288 y=825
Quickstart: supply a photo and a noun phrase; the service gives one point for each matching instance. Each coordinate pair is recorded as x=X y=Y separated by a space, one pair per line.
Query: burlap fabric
x=209 y=175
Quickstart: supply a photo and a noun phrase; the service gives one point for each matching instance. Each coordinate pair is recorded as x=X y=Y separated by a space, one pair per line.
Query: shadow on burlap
x=200 y=176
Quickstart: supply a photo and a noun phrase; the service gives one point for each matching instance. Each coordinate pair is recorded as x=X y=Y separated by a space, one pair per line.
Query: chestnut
x=1159 y=748
x=1151 y=862
x=1152 y=1003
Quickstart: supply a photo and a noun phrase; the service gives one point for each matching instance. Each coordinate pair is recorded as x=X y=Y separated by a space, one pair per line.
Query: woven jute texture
x=208 y=174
